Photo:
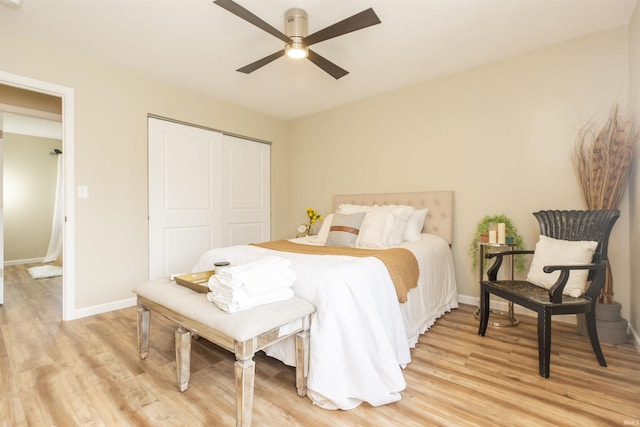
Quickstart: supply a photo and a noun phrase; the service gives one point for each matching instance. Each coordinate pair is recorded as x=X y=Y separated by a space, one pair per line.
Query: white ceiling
x=198 y=45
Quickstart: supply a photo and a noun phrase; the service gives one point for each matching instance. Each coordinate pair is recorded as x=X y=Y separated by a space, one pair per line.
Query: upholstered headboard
x=439 y=218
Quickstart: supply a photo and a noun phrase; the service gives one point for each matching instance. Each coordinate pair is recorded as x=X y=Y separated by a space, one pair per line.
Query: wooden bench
x=243 y=333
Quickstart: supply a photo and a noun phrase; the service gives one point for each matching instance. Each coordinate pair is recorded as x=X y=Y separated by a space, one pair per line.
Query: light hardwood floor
x=87 y=372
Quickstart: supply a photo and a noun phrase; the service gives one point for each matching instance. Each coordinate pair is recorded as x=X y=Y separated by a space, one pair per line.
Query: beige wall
x=111 y=108
x=29 y=183
x=634 y=188
x=500 y=136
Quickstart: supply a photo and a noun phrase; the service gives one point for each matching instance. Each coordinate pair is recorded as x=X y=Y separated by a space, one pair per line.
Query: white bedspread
x=358 y=337
x=437 y=291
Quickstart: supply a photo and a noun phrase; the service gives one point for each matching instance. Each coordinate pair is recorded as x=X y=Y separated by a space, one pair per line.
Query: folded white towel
x=252 y=273
x=283 y=279
x=248 y=285
x=247 y=303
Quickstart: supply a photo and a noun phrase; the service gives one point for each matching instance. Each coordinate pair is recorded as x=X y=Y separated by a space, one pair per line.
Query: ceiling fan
x=296 y=40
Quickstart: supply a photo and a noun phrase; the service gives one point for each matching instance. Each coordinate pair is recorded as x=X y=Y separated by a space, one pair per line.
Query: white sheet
x=359 y=341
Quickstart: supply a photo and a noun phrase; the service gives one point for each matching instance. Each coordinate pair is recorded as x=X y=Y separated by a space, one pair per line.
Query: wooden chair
x=593 y=225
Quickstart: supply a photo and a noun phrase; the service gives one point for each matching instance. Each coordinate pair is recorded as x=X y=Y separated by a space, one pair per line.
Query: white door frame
x=67 y=96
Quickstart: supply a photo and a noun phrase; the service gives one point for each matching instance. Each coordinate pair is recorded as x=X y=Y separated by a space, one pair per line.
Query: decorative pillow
x=323 y=234
x=413 y=230
x=561 y=252
x=345 y=229
x=375 y=230
x=400 y=214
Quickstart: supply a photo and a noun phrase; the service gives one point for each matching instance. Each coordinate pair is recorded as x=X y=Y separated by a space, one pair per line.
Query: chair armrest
x=555 y=292
x=492 y=273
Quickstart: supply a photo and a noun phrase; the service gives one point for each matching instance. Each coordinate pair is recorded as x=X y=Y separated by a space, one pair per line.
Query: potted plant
x=512 y=235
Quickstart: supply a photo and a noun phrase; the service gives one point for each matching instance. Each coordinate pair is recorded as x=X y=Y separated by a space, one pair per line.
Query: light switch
x=83 y=192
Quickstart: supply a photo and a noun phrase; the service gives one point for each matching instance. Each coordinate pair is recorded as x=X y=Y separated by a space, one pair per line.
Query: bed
x=361 y=334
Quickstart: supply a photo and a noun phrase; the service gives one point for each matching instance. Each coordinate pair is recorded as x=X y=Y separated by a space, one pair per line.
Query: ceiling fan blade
x=261 y=62
x=327 y=65
x=243 y=13
x=361 y=20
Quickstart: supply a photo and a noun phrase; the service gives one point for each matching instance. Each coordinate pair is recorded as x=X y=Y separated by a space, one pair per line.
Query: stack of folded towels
x=245 y=286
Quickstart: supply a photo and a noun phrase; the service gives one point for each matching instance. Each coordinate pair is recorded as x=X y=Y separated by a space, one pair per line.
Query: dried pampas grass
x=603 y=164
x=603 y=160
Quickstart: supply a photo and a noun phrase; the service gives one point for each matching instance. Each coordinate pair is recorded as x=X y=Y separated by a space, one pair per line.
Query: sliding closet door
x=246 y=214
x=206 y=190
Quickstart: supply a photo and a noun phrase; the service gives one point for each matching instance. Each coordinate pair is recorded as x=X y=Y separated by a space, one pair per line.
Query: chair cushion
x=550 y=251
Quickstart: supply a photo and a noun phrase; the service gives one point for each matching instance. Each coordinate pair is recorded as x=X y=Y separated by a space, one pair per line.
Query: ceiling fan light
x=296 y=50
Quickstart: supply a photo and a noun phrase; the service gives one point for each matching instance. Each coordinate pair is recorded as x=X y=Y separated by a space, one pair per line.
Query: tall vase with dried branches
x=602 y=162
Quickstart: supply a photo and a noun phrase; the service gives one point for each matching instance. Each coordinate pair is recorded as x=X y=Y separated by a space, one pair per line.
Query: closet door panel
x=247 y=212
x=185 y=195
x=206 y=190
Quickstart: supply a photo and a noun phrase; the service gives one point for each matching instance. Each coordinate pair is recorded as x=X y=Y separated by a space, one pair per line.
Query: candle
x=493 y=233
x=501 y=233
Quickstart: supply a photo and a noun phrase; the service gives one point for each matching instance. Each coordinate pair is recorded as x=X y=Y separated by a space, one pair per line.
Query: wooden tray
x=198 y=282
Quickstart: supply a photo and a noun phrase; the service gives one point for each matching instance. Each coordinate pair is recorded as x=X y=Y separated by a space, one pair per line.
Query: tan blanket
x=401 y=263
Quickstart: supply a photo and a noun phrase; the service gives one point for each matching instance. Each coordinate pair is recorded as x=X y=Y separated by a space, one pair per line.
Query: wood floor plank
x=87 y=372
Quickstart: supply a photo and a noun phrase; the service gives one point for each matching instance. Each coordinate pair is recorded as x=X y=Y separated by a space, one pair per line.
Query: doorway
x=66 y=96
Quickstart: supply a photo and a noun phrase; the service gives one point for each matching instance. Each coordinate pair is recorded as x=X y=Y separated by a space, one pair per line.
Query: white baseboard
x=102 y=308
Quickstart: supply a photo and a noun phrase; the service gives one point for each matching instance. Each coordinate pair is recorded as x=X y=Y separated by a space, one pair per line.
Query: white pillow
x=561 y=252
x=375 y=230
x=413 y=230
x=401 y=215
x=346 y=208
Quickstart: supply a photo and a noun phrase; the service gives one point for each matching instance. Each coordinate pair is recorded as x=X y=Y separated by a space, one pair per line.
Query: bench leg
x=302 y=362
x=183 y=357
x=143 y=332
x=245 y=373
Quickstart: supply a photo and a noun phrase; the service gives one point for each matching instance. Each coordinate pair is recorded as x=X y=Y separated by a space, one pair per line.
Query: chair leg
x=544 y=342
x=484 y=311
x=592 y=330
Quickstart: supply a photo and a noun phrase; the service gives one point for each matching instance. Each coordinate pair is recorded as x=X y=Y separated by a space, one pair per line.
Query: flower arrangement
x=602 y=161
x=313 y=217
